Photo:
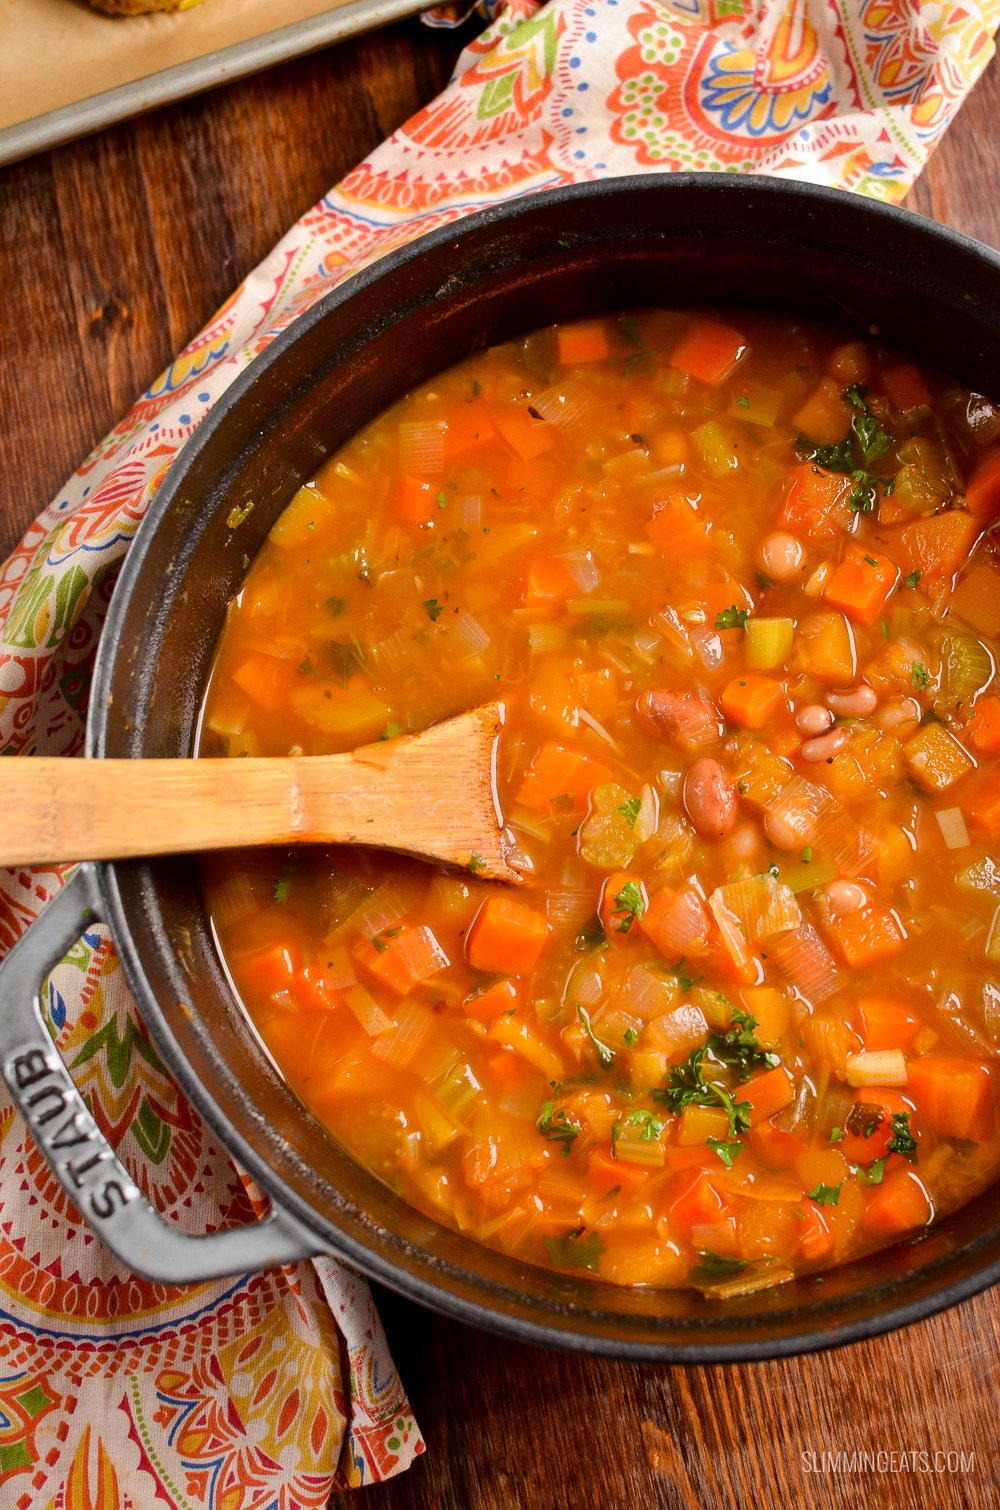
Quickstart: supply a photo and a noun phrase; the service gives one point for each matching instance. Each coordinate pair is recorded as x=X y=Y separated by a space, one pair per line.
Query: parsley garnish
x=688 y=1087
x=629 y=906
x=826 y=1195
x=280 y=889
x=913 y=579
x=855 y=455
x=556 y=1126
x=743 y=401
x=604 y=1054
x=433 y=609
x=345 y=657
x=836 y=1135
x=902 y=1140
x=571 y=1250
x=920 y=677
x=717 y=1266
x=590 y=936
x=630 y=810
x=728 y=1152
x=630 y=1036
x=731 y=618
x=647 y=1127
x=870 y=561
x=763 y=582
x=873 y=1174
x=739 y=1049
x=476 y=862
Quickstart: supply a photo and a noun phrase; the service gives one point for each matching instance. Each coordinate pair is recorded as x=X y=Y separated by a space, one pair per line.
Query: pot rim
x=109 y=875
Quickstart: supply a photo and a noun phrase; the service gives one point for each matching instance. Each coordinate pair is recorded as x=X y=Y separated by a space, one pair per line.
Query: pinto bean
x=826 y=746
x=813 y=719
x=843 y=897
x=852 y=702
x=710 y=799
x=897 y=712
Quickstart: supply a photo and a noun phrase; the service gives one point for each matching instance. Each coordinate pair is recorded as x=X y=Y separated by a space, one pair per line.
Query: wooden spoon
x=431 y=794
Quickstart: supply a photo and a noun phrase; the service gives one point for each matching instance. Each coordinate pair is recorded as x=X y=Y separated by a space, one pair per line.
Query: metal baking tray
x=67 y=70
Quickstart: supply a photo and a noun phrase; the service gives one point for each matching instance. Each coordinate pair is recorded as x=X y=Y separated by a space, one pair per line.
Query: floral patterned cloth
x=272 y=1389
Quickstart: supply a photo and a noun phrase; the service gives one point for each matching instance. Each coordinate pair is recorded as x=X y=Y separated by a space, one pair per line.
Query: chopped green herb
x=280 y=889
x=738 y=1049
x=630 y=1036
x=902 y=1140
x=477 y=387
x=476 y=862
x=337 y=606
x=647 y=1127
x=345 y=657
x=856 y=454
x=920 y=677
x=743 y=401
x=629 y=906
x=590 y=936
x=571 y=1250
x=913 y=579
x=763 y=582
x=441 y=499
x=433 y=609
x=871 y=561
x=836 y=1135
x=630 y=810
x=873 y=1174
x=884 y=628
x=605 y=1055
x=687 y=1087
x=731 y=618
x=717 y=1266
x=807 y=855
x=557 y=1126
x=826 y=1195
x=391 y=731
x=728 y=1152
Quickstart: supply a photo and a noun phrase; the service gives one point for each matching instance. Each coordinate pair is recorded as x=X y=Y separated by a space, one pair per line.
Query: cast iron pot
x=553 y=256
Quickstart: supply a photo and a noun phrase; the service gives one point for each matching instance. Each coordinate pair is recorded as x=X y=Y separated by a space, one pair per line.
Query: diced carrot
x=868 y=1130
x=506 y=1069
x=557 y=773
x=956 y=1097
x=884 y=1022
x=981 y=807
x=829 y=1039
x=676 y=529
x=905 y=388
x=676 y=923
x=936 y=546
x=815 y=1237
x=583 y=341
x=816 y=502
x=415 y=501
x=750 y=700
x=824 y=416
x=899 y=1204
x=982 y=493
x=768 y=1093
x=527 y=437
x=697 y=1202
x=506 y=937
x=468 y=426
x=547 y=582
x=679 y=1160
x=860 y=583
x=976 y=599
x=775 y=1148
x=264 y=678
x=868 y=937
x=607 y=1172
x=270 y=971
x=617 y=921
x=488 y=1005
x=720 y=960
x=708 y=351
x=401 y=957
x=935 y=759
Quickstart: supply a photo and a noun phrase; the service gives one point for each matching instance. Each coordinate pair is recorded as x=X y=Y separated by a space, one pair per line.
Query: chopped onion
x=646 y=643
x=469 y=510
x=952 y=826
x=876 y=1067
x=471 y=633
x=421 y=447
x=668 y=622
x=599 y=729
x=648 y=816
x=761 y=906
x=545 y=638
x=807 y=963
x=569 y=907
x=707 y=646
x=569 y=405
x=583 y=569
x=816 y=583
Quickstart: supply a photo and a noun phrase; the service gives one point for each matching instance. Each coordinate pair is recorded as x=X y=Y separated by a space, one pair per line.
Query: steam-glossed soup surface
x=734 y=580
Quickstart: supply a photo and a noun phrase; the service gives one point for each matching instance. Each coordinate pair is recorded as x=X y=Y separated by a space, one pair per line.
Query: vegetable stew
x=736 y=580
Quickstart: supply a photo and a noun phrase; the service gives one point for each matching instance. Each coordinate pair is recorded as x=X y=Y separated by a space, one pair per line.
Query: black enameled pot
x=628 y=242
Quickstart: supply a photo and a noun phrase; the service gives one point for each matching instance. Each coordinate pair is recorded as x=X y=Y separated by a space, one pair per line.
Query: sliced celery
x=802 y=877
x=966 y=666
x=769 y=642
x=717 y=446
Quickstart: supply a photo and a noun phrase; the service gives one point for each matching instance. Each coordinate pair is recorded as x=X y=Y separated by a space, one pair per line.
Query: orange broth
x=734 y=580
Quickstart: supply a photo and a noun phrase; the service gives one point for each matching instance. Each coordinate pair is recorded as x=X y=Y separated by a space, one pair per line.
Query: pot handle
x=76 y=1150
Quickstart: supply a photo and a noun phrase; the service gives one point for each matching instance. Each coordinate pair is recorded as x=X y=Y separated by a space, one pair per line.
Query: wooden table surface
x=113 y=251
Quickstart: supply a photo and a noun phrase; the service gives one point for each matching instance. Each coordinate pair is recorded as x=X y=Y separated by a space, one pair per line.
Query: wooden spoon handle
x=428 y=794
